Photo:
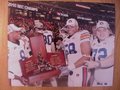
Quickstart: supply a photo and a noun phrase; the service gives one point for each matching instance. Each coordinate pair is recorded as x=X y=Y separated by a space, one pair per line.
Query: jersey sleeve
x=111 y=42
x=85 y=36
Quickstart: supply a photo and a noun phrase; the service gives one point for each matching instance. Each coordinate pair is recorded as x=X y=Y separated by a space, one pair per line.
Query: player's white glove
x=92 y=64
x=64 y=71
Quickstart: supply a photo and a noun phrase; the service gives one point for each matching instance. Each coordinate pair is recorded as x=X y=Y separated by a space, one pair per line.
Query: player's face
x=102 y=33
x=71 y=30
x=17 y=35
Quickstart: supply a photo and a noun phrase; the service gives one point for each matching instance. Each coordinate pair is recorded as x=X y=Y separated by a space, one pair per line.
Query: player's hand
x=64 y=71
x=92 y=64
x=23 y=80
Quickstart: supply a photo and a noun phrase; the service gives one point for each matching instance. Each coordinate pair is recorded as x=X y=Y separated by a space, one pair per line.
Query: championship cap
x=72 y=22
x=102 y=24
x=12 y=28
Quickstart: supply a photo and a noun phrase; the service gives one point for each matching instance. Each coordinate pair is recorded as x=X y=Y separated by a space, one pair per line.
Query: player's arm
x=85 y=50
x=104 y=63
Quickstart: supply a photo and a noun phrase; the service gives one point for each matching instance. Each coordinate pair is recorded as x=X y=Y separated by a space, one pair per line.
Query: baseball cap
x=12 y=28
x=72 y=22
x=103 y=24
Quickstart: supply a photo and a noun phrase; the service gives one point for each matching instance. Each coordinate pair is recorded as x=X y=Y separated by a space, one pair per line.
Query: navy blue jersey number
x=70 y=48
x=48 y=39
x=102 y=53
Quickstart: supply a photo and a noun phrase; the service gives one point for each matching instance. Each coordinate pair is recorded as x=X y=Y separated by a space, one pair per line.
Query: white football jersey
x=73 y=54
x=48 y=37
x=101 y=50
x=15 y=54
x=72 y=45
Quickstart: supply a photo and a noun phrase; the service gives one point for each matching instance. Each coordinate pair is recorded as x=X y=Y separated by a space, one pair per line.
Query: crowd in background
x=54 y=26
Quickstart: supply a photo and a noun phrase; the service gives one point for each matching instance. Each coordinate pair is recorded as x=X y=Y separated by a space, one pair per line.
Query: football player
x=102 y=55
x=48 y=37
x=15 y=54
x=77 y=50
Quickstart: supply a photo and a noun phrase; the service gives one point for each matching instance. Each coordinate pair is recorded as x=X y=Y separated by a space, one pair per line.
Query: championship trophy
x=41 y=65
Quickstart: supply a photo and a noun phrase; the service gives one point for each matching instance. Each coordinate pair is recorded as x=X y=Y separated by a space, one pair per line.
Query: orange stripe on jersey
x=87 y=37
x=85 y=33
x=84 y=79
x=84 y=36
